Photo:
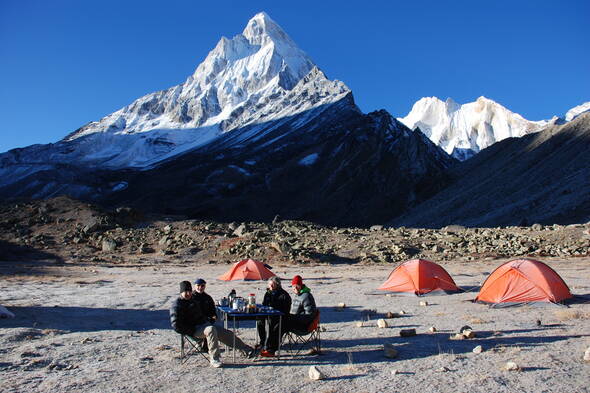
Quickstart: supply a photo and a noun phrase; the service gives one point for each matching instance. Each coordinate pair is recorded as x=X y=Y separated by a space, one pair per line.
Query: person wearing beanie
x=186 y=317
x=303 y=310
x=277 y=298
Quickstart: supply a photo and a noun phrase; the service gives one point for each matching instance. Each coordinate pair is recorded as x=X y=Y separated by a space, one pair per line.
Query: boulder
x=511 y=366
x=389 y=351
x=315 y=374
x=382 y=323
x=240 y=231
x=407 y=332
x=109 y=245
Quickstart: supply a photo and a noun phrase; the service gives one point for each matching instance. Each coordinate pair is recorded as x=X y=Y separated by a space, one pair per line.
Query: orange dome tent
x=523 y=281
x=247 y=269
x=419 y=277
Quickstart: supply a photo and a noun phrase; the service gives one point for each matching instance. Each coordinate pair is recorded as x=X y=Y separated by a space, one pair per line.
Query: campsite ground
x=104 y=328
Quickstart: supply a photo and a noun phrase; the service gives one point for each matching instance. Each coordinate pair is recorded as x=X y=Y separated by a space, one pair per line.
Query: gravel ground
x=84 y=328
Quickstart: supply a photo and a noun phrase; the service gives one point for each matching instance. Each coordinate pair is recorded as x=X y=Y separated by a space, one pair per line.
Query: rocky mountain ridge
x=68 y=231
x=542 y=177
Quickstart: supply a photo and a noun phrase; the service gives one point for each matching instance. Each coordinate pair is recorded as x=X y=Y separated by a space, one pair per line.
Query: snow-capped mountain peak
x=464 y=130
x=244 y=80
x=576 y=111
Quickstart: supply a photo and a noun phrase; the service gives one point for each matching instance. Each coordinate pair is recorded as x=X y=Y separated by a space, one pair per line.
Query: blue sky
x=64 y=63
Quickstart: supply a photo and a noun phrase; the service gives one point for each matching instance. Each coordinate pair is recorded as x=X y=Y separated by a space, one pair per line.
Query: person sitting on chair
x=186 y=317
x=303 y=308
x=204 y=300
x=277 y=298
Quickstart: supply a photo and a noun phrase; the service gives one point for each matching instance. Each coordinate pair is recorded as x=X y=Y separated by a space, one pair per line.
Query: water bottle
x=231 y=297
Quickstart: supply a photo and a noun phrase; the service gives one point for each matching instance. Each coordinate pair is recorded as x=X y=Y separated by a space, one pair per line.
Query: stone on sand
x=587 y=355
x=511 y=366
x=478 y=349
x=389 y=351
x=382 y=323
x=407 y=332
x=315 y=374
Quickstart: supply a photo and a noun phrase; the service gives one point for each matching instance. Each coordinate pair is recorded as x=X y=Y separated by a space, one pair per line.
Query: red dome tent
x=247 y=269
x=523 y=281
x=419 y=277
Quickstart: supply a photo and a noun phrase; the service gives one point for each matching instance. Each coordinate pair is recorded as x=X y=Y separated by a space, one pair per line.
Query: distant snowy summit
x=577 y=111
x=257 y=76
x=464 y=130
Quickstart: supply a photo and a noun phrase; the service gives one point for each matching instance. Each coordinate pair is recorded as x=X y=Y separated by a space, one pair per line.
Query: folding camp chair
x=298 y=340
x=194 y=345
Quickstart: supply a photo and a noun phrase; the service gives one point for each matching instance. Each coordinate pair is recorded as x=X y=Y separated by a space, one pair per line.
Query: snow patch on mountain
x=577 y=111
x=464 y=130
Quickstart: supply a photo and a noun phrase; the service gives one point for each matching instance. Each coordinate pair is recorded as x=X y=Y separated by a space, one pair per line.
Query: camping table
x=262 y=313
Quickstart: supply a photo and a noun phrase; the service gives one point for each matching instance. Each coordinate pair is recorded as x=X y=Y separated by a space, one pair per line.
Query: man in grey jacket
x=303 y=308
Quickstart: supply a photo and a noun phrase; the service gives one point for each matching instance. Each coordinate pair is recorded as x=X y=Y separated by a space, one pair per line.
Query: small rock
x=407 y=332
x=477 y=349
x=402 y=312
x=315 y=374
x=424 y=303
x=167 y=229
x=389 y=351
x=394 y=372
x=109 y=245
x=432 y=329
x=341 y=305
x=587 y=355
x=511 y=366
x=458 y=336
x=468 y=334
x=240 y=231
x=360 y=324
x=323 y=329
x=382 y=323
x=442 y=370
x=390 y=314
x=86 y=340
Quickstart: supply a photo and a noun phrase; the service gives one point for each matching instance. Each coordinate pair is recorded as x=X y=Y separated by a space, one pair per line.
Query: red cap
x=297 y=280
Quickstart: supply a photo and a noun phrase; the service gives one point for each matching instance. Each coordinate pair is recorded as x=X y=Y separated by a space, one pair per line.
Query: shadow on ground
x=86 y=319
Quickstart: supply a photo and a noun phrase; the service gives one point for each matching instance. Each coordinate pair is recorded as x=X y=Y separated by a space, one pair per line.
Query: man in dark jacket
x=204 y=300
x=277 y=298
x=303 y=308
x=186 y=317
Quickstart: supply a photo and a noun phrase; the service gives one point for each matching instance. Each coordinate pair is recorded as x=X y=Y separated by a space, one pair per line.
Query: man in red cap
x=303 y=306
x=302 y=312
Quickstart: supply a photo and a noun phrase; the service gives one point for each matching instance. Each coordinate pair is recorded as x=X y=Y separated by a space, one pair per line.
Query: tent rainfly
x=523 y=281
x=419 y=277
x=247 y=270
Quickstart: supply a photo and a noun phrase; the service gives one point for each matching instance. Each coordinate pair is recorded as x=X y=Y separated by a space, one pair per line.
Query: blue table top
x=262 y=311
